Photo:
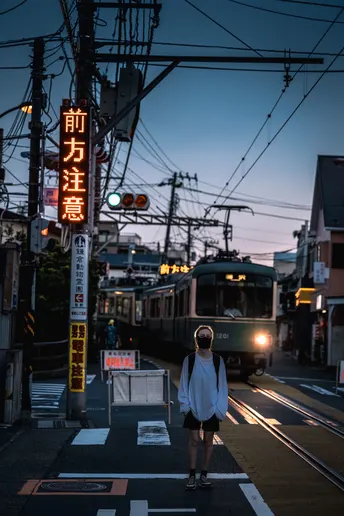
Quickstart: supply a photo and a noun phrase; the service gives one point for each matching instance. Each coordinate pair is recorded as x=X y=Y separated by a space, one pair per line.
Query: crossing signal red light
x=128 y=201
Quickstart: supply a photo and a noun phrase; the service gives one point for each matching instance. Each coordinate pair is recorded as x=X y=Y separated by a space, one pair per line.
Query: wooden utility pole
x=29 y=270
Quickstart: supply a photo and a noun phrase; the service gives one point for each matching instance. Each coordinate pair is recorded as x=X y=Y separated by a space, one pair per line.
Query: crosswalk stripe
x=152 y=433
x=46 y=396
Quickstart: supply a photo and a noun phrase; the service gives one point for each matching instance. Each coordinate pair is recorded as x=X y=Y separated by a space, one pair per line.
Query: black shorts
x=211 y=425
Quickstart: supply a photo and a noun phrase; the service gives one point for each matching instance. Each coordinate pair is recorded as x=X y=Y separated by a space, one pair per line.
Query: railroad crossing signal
x=128 y=201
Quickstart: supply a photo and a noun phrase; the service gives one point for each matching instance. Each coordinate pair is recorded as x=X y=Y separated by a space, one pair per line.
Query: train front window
x=234 y=295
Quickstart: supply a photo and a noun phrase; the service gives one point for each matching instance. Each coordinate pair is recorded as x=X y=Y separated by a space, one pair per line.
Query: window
x=337 y=256
x=155 y=307
x=138 y=310
x=218 y=296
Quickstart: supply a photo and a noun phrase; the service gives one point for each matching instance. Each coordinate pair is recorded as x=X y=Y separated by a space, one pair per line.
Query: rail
x=299 y=409
x=330 y=474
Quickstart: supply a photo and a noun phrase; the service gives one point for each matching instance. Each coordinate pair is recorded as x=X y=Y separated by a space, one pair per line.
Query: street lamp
x=27 y=108
x=24 y=106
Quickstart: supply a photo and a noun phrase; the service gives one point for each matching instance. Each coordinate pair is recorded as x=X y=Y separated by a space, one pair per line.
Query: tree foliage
x=53 y=293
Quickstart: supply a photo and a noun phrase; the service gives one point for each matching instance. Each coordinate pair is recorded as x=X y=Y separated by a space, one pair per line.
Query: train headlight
x=261 y=339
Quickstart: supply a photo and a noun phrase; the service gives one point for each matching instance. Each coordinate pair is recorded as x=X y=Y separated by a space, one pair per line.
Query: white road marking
x=255 y=500
x=231 y=418
x=90 y=378
x=150 y=476
x=305 y=379
x=91 y=436
x=46 y=395
x=138 y=508
x=106 y=512
x=341 y=389
x=172 y=510
x=152 y=433
x=319 y=390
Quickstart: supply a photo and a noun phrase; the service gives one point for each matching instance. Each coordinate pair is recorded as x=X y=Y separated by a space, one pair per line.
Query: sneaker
x=204 y=482
x=191 y=483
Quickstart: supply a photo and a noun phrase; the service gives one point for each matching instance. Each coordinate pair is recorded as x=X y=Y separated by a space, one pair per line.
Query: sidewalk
x=139 y=459
x=284 y=364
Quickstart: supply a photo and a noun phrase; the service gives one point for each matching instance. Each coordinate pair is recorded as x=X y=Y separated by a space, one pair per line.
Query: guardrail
x=50 y=359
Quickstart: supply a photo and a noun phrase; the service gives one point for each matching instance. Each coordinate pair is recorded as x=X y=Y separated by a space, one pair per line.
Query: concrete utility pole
x=174 y=184
x=30 y=264
x=78 y=311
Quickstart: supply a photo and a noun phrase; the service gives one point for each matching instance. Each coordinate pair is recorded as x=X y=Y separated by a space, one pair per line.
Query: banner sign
x=77 y=356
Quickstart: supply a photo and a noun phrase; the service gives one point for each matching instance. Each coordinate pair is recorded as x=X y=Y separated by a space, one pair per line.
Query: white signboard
x=79 y=278
x=140 y=388
x=51 y=196
x=319 y=272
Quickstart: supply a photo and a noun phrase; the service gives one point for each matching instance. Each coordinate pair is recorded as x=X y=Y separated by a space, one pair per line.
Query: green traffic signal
x=114 y=199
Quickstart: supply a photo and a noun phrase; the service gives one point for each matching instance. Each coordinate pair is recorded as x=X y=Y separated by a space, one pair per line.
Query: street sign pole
x=78 y=328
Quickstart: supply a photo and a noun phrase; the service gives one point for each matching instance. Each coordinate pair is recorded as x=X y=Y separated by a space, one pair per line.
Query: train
x=237 y=298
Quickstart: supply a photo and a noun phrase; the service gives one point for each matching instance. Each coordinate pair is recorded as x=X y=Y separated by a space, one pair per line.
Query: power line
x=283 y=126
x=273 y=109
x=223 y=28
x=13 y=8
x=264 y=9
x=318 y=4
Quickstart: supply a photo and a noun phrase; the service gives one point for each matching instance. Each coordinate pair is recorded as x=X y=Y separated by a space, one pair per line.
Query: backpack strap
x=216 y=360
x=191 y=363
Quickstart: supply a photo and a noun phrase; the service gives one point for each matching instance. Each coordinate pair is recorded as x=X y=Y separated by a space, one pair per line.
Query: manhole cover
x=80 y=487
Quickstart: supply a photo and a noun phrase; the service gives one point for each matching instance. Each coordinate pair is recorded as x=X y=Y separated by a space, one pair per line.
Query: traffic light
x=128 y=201
x=39 y=238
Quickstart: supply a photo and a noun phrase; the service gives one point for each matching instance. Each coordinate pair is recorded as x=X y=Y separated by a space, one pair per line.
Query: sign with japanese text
x=174 y=269
x=77 y=356
x=319 y=272
x=341 y=372
x=119 y=360
x=79 y=277
x=238 y=277
x=74 y=164
x=51 y=196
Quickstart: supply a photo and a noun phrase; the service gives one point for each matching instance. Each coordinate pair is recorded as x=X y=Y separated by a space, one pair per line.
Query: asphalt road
x=111 y=468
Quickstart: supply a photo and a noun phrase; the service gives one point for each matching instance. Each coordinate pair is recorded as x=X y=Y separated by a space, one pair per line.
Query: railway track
x=329 y=473
x=331 y=426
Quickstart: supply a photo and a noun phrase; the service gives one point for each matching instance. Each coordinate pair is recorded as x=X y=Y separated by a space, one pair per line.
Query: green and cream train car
x=236 y=298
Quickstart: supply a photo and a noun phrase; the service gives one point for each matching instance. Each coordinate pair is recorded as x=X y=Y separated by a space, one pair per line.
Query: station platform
x=135 y=467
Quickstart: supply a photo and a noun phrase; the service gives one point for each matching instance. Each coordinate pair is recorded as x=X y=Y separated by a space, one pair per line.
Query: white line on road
x=91 y=436
x=255 y=500
x=305 y=379
x=150 y=476
x=152 y=433
x=172 y=510
x=90 y=378
x=106 y=512
x=138 y=508
x=319 y=390
x=216 y=439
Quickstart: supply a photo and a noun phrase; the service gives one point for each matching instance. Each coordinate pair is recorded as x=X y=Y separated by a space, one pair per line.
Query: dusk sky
x=205 y=120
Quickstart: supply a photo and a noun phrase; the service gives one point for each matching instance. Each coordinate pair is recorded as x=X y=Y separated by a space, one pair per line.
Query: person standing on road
x=203 y=398
x=111 y=335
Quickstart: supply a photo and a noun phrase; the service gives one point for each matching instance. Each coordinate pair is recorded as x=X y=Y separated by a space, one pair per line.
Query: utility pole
x=30 y=264
x=78 y=311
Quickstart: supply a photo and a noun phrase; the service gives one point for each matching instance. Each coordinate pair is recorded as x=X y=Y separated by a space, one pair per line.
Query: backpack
x=216 y=360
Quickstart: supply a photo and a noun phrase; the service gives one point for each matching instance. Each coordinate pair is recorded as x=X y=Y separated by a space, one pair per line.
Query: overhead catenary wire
x=287 y=120
x=223 y=27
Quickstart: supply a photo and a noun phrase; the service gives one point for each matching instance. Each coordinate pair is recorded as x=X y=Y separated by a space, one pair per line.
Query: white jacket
x=201 y=395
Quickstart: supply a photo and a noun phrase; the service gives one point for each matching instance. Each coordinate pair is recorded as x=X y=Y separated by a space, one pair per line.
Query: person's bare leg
x=208 y=449
x=193 y=444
